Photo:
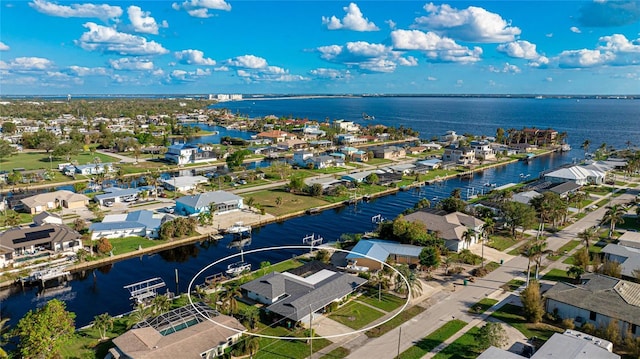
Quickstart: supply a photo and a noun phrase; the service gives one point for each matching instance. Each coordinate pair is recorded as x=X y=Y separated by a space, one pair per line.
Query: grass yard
x=24 y=217
x=512 y=285
x=130 y=244
x=337 y=353
x=355 y=315
x=566 y=248
x=40 y=160
x=483 y=305
x=501 y=242
x=388 y=302
x=516 y=251
x=428 y=343
x=290 y=202
x=294 y=349
x=278 y=267
x=510 y=314
x=395 y=322
x=557 y=275
x=85 y=343
x=465 y=347
x=378 y=161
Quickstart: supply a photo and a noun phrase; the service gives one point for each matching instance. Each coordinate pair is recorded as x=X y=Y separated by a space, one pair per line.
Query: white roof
x=575 y=173
x=184 y=181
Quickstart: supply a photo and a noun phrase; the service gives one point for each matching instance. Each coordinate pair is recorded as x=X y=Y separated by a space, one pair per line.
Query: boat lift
x=145 y=290
x=312 y=241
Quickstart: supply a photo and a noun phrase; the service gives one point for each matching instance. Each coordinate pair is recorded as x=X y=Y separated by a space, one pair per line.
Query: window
x=592 y=316
x=634 y=329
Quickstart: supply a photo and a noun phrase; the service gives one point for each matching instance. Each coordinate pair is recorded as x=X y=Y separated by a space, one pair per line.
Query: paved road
x=449 y=305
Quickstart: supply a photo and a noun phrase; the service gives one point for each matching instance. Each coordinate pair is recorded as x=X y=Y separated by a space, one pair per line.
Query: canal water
x=102 y=290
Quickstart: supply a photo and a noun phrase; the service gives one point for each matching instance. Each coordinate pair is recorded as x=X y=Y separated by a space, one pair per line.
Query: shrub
x=588 y=328
x=104 y=245
x=567 y=323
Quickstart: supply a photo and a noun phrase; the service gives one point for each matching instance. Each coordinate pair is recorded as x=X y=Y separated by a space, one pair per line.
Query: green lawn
x=388 y=302
x=355 y=315
x=403 y=317
x=512 y=285
x=293 y=349
x=40 y=160
x=511 y=314
x=278 y=267
x=24 y=217
x=501 y=242
x=130 y=244
x=566 y=248
x=290 y=202
x=337 y=353
x=378 y=161
x=428 y=343
x=482 y=305
x=557 y=275
x=85 y=342
x=465 y=347
x=516 y=251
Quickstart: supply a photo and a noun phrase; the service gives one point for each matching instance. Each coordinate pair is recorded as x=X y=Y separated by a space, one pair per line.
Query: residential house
x=578 y=174
x=459 y=155
x=431 y=146
x=449 y=226
x=564 y=189
x=628 y=257
x=292 y=144
x=189 y=332
x=483 y=150
x=570 y=344
x=142 y=223
x=51 y=200
x=183 y=183
x=187 y=153
x=430 y=164
x=357 y=177
x=17 y=242
x=450 y=137
x=598 y=300
x=46 y=218
x=276 y=136
x=296 y=294
x=350 y=139
x=388 y=152
x=117 y=195
x=93 y=168
x=373 y=253
x=313 y=132
x=346 y=126
x=222 y=201
x=525 y=197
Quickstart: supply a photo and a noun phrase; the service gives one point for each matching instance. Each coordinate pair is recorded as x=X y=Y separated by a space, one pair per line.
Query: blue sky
x=313 y=47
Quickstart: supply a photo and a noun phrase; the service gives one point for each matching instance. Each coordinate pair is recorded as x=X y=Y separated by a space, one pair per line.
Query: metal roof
x=381 y=249
x=204 y=199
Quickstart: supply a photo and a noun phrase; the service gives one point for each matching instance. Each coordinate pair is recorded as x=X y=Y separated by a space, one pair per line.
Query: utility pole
x=310 y=333
x=399 y=335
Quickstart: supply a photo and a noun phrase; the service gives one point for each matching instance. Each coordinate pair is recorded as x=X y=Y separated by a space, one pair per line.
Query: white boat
x=238 y=227
x=237 y=268
x=565 y=147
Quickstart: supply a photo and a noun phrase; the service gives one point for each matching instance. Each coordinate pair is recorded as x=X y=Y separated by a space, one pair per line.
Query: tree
x=235 y=159
x=611 y=268
x=581 y=258
x=66 y=150
x=79 y=224
x=160 y=304
x=575 y=272
x=229 y=301
x=296 y=184
x=585 y=146
x=518 y=214
x=468 y=236
x=9 y=127
x=452 y=204
x=104 y=245
x=79 y=187
x=373 y=178
x=429 y=257
x=323 y=256
x=532 y=302
x=3 y=336
x=103 y=323
x=488 y=228
x=414 y=282
x=613 y=215
x=250 y=314
x=278 y=201
x=316 y=190
x=492 y=334
x=589 y=235
x=43 y=332
x=6 y=149
x=12 y=218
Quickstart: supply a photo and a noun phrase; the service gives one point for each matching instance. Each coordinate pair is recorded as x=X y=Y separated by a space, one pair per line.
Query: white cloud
x=186 y=76
x=247 y=61
x=506 y=68
x=613 y=50
x=330 y=52
x=87 y=71
x=549 y=79
x=200 y=8
x=332 y=74
x=575 y=29
x=436 y=48
x=431 y=78
x=549 y=34
x=408 y=61
x=103 y=12
x=473 y=24
x=619 y=43
x=366 y=56
x=459 y=83
x=353 y=20
x=541 y=61
x=3 y=46
x=392 y=24
x=107 y=39
x=142 y=21
x=519 y=49
x=27 y=64
x=194 y=57
x=584 y=58
x=131 y=64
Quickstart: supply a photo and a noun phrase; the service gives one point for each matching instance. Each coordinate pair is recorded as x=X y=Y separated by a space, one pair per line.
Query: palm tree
x=588 y=235
x=468 y=236
x=4 y=330
x=161 y=304
x=585 y=146
x=538 y=251
x=414 y=282
x=103 y=322
x=613 y=215
x=229 y=299
x=487 y=229
x=530 y=254
x=155 y=177
x=141 y=313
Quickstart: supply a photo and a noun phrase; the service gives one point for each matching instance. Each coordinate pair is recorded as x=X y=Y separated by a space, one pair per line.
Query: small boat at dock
x=238 y=227
x=237 y=268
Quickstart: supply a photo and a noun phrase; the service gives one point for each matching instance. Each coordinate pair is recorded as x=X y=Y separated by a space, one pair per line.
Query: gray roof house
x=18 y=241
x=371 y=253
x=450 y=226
x=628 y=257
x=141 y=223
x=116 y=194
x=295 y=297
x=598 y=299
x=224 y=202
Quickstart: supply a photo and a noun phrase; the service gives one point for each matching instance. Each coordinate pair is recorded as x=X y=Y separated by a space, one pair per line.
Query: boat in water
x=565 y=147
x=238 y=228
x=367 y=117
x=237 y=268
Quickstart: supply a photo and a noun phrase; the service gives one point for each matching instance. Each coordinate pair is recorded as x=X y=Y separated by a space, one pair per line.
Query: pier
x=41 y=277
x=146 y=290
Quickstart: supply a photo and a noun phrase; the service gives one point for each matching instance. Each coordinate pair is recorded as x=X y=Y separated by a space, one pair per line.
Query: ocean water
x=610 y=121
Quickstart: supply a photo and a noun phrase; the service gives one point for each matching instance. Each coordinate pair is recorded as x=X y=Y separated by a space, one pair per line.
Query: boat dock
x=145 y=290
x=41 y=277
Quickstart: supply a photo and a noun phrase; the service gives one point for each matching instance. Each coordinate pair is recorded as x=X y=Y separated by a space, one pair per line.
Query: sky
x=319 y=47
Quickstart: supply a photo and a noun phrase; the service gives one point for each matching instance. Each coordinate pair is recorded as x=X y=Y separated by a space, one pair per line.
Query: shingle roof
x=632 y=254
x=61 y=195
x=601 y=294
x=451 y=226
x=204 y=199
x=47 y=233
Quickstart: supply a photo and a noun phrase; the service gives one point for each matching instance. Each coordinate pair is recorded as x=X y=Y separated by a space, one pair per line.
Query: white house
x=183 y=183
x=141 y=223
x=578 y=174
x=483 y=150
x=451 y=227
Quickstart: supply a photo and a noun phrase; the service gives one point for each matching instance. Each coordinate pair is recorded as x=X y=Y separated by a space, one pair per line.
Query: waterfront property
x=183 y=183
x=116 y=195
x=381 y=251
x=450 y=226
x=459 y=155
x=18 y=244
x=51 y=200
x=92 y=169
x=141 y=223
x=181 y=333
x=222 y=201
x=598 y=299
x=570 y=344
x=578 y=174
x=304 y=290
x=182 y=154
